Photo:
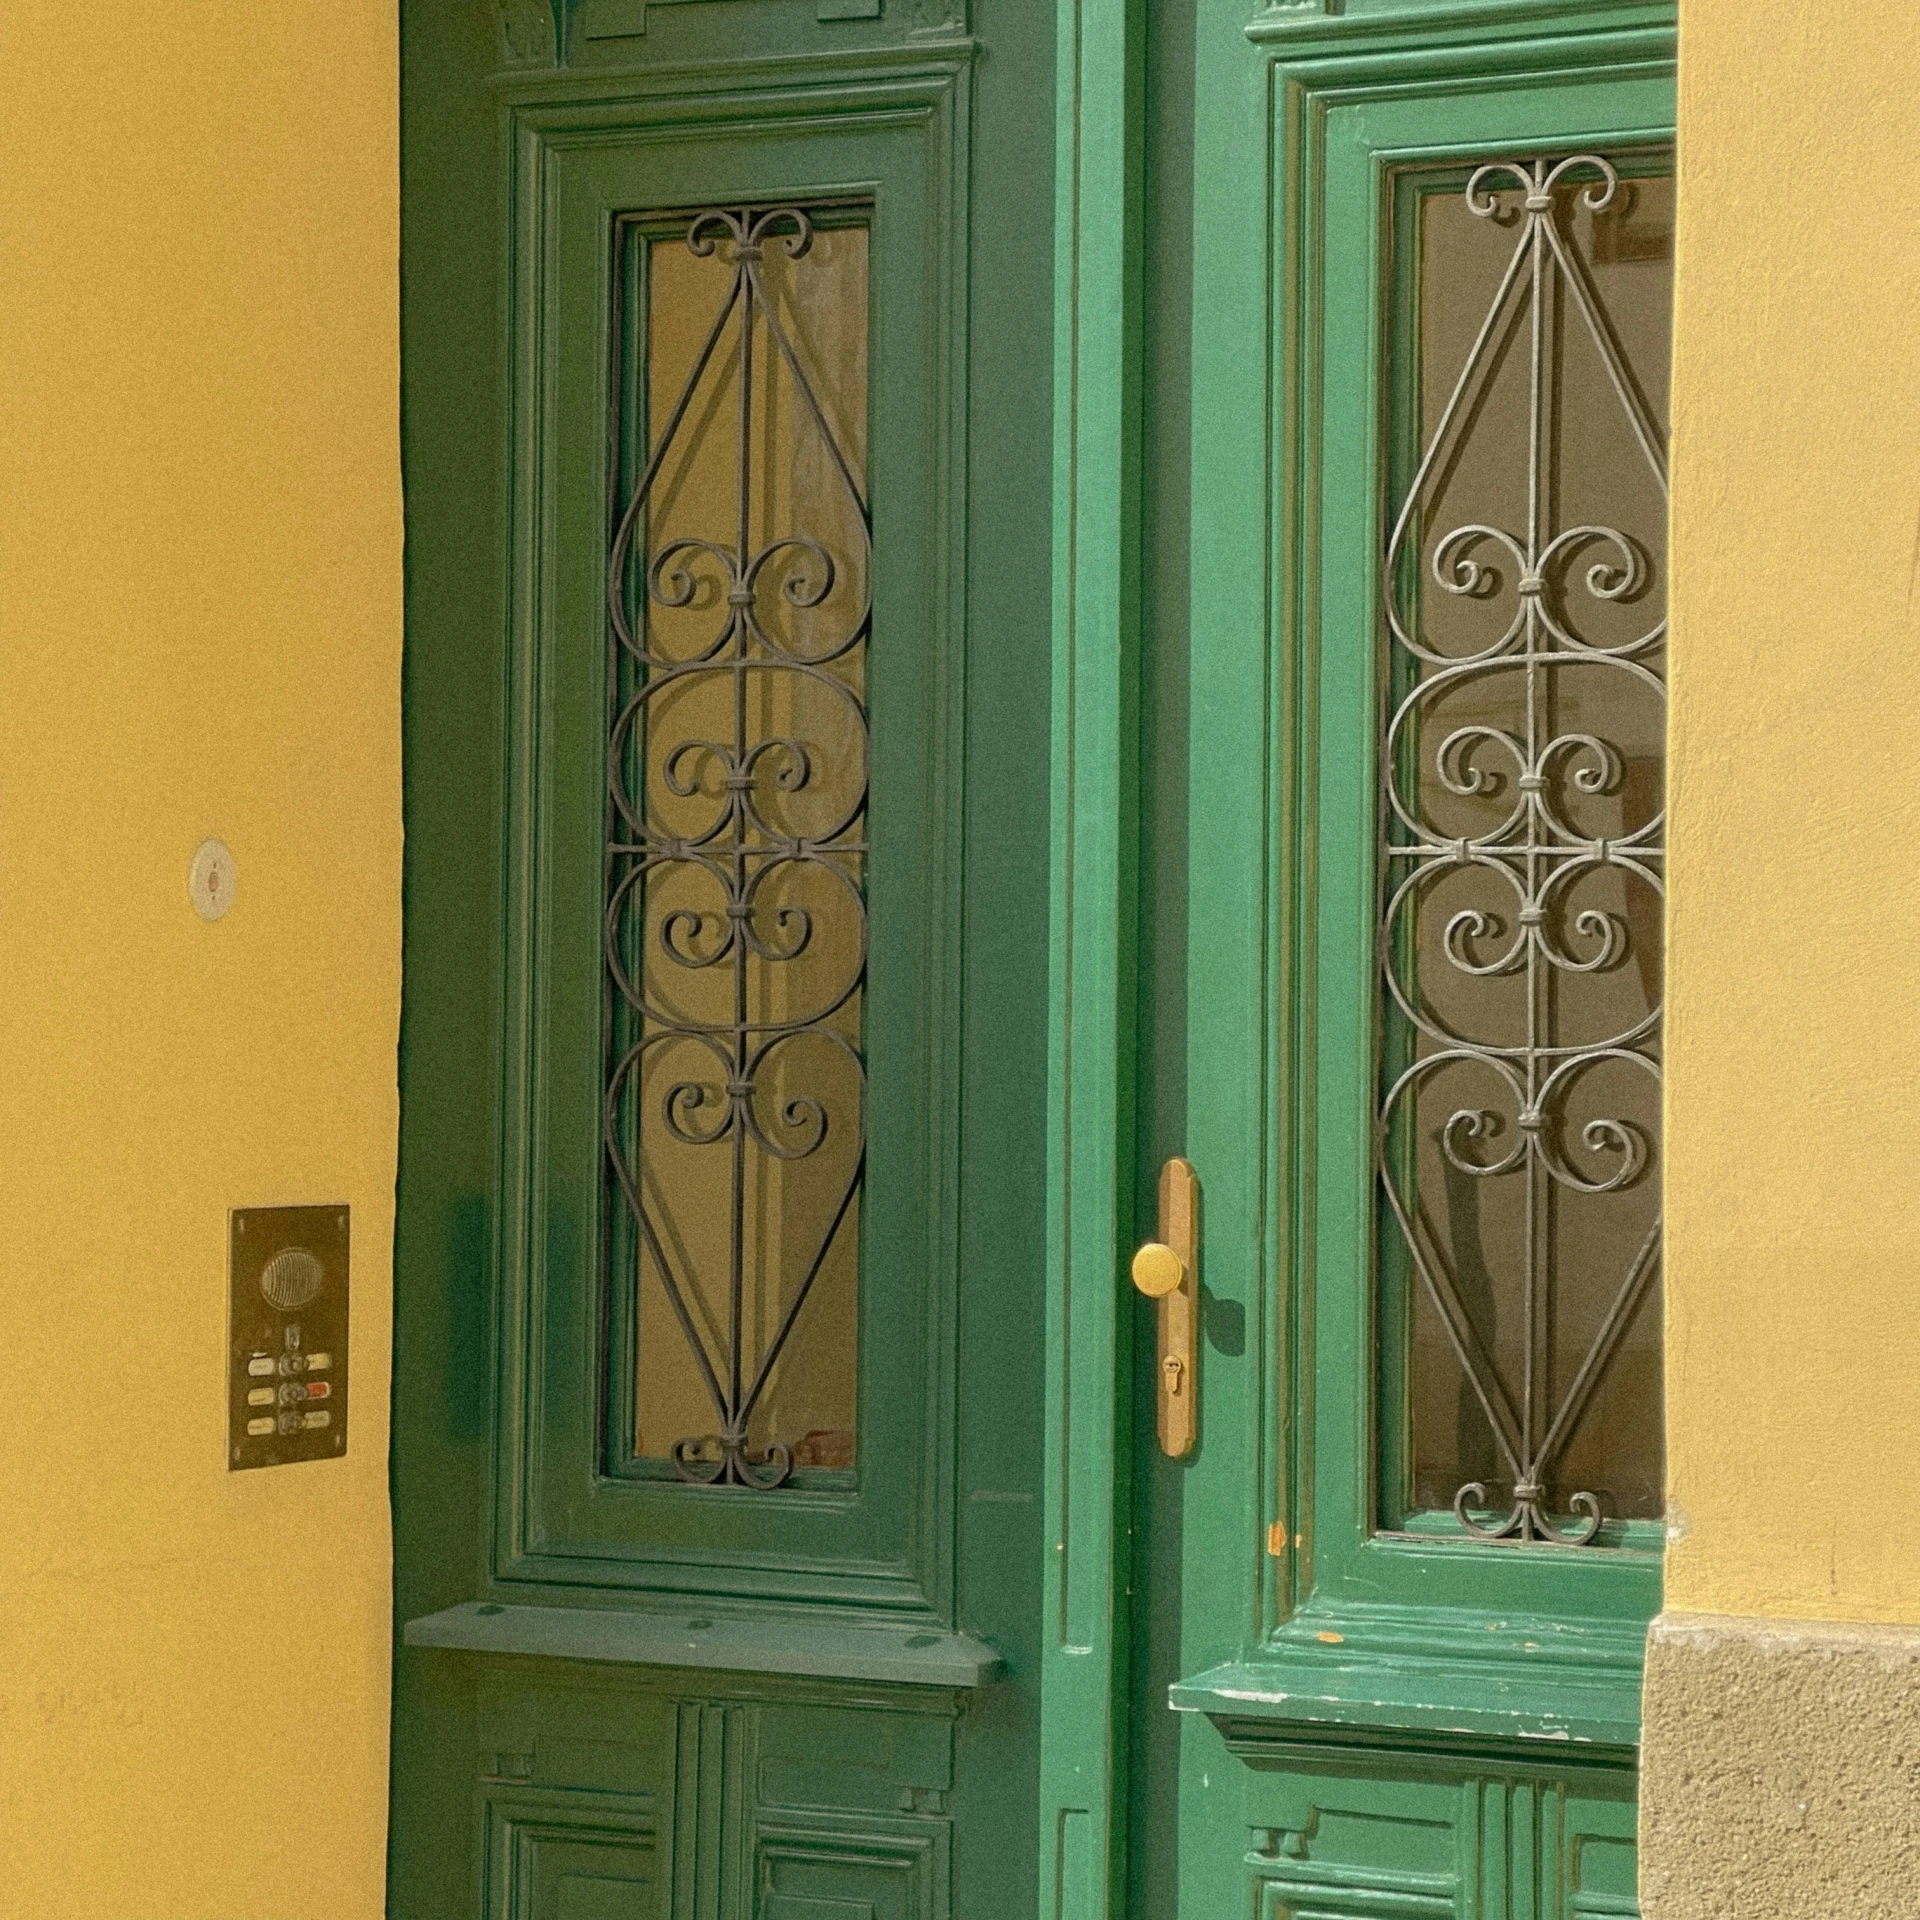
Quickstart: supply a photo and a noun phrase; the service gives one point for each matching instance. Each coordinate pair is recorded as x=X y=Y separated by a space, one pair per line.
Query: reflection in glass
x=736 y=938
x=1523 y=762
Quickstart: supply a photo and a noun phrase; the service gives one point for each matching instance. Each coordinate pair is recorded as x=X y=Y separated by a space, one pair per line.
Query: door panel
x=1336 y=1841
x=1363 y=1687
x=627 y=1684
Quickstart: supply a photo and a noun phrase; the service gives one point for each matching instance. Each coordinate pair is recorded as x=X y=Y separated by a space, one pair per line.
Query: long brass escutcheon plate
x=1177 y=1369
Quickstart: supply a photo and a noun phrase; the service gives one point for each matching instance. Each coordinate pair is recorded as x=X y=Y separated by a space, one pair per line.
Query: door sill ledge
x=811 y=1648
x=1320 y=1696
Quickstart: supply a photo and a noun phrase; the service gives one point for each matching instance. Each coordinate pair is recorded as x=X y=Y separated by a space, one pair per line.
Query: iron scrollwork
x=1530 y=852
x=740 y=913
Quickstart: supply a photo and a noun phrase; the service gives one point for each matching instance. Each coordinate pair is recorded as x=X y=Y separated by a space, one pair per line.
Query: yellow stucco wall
x=1793 y=1249
x=199 y=634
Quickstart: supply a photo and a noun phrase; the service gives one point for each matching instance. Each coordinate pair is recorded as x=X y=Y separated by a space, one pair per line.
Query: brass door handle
x=1158 y=1270
x=1167 y=1271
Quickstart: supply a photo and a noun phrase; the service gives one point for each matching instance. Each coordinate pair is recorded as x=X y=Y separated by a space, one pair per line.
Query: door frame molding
x=1093 y=843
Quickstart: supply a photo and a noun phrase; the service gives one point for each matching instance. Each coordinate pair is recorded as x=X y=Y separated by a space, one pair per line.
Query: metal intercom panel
x=287 y=1354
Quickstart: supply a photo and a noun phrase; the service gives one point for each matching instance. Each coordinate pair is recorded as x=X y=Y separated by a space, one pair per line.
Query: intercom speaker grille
x=291 y=1279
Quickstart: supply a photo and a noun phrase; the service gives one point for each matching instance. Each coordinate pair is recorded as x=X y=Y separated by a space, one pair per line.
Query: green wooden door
x=1399 y=676
x=716 y=1446
x=913 y=720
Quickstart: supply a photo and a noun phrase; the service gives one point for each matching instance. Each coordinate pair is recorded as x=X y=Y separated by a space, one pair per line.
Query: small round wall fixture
x=211 y=879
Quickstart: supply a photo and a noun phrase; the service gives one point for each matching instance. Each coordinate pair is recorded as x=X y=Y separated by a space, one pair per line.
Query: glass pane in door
x=736 y=945
x=1522 y=751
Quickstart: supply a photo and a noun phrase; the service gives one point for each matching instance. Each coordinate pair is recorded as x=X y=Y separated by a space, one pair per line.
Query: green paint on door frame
x=1094 y=835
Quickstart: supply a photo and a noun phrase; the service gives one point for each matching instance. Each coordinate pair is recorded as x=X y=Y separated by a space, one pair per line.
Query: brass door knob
x=1158 y=1270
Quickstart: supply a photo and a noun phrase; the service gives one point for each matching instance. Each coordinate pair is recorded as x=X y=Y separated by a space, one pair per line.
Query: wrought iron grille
x=736 y=923
x=1523 y=865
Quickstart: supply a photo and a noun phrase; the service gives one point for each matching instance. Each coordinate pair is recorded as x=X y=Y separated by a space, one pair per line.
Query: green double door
x=1000 y=596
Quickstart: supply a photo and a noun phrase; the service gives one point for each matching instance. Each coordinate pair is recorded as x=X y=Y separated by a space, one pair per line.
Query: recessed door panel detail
x=550 y=1860
x=1523 y=805
x=740 y=608
x=835 y=1870
x=1409 y=1842
x=599 y=1794
x=586 y=33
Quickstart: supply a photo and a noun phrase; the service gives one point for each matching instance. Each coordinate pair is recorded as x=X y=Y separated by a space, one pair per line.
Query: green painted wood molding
x=1432 y=22
x=1440 y=1679
x=559 y=1518
x=1098 y=175
x=1338 y=1699
x=903 y=1654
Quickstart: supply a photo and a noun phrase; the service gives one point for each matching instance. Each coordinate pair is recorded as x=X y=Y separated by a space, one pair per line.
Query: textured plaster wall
x=199 y=634
x=1793 y=1180
x=1780 y=1771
